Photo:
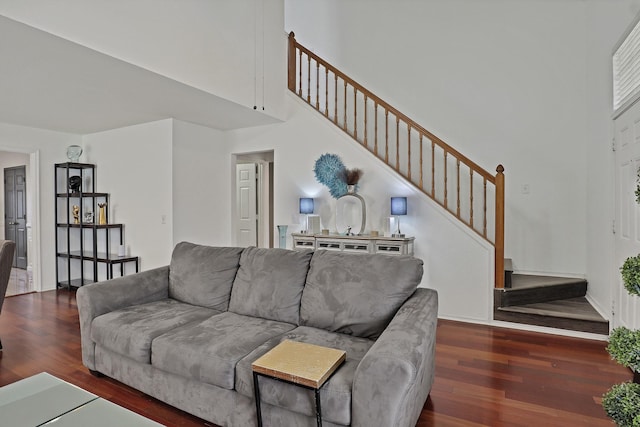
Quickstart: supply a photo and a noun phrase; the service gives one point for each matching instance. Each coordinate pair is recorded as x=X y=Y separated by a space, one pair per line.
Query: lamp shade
x=398 y=206
x=306 y=205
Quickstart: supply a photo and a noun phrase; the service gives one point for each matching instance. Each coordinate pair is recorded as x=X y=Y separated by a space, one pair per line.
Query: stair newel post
x=291 y=66
x=499 y=230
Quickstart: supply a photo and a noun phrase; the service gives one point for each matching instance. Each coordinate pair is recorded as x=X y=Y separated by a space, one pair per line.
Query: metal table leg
x=318 y=409
x=256 y=391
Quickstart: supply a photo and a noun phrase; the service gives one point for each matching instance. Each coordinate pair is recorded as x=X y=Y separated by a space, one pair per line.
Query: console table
x=354 y=244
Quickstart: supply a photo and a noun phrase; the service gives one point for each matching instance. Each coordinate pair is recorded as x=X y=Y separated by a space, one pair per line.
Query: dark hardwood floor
x=485 y=376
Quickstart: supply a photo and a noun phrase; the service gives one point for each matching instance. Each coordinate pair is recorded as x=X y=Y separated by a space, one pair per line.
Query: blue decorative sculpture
x=329 y=171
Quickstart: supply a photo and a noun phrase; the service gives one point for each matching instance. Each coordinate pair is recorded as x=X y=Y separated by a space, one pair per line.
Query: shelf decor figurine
x=74 y=152
x=75 y=182
x=102 y=215
x=76 y=214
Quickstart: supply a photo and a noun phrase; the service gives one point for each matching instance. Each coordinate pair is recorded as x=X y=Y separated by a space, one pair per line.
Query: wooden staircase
x=464 y=189
x=556 y=302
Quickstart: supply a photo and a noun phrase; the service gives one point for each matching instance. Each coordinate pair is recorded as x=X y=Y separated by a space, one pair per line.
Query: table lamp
x=398 y=207
x=306 y=207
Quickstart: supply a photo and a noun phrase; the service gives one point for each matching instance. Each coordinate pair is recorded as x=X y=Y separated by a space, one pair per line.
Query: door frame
x=265 y=201
x=34 y=237
x=625 y=308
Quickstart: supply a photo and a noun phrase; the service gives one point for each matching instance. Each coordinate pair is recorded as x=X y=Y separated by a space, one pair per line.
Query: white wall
x=216 y=45
x=502 y=81
x=47 y=148
x=133 y=165
x=201 y=185
x=457 y=262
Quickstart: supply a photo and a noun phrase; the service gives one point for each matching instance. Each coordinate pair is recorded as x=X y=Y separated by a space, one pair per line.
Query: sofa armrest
x=393 y=380
x=103 y=297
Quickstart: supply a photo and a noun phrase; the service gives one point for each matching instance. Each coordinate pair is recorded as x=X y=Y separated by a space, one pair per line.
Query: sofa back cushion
x=357 y=294
x=203 y=275
x=269 y=284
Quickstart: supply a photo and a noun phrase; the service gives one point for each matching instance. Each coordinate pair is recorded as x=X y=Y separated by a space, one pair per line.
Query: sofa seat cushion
x=269 y=283
x=209 y=350
x=357 y=294
x=203 y=275
x=131 y=330
x=335 y=394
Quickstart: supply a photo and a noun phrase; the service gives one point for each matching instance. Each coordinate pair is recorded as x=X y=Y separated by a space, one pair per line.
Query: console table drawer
x=394 y=248
x=332 y=246
x=359 y=247
x=304 y=244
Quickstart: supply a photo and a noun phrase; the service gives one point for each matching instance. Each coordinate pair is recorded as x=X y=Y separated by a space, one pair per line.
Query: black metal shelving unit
x=83 y=247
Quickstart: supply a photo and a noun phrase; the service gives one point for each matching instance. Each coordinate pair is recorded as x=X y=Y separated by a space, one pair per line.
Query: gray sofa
x=188 y=332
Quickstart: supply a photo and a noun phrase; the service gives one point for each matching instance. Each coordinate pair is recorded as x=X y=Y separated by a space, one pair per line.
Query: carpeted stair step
x=508 y=272
x=531 y=289
x=573 y=314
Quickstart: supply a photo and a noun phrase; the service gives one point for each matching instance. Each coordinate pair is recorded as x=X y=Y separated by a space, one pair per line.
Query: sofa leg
x=96 y=374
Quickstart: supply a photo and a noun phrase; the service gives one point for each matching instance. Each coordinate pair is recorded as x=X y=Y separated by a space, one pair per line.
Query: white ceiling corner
x=51 y=83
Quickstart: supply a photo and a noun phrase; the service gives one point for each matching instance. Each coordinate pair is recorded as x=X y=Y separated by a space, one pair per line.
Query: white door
x=627 y=227
x=246 y=199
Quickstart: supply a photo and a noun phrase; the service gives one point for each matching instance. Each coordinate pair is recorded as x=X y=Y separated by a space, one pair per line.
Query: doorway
x=627 y=226
x=252 y=199
x=27 y=235
x=15 y=212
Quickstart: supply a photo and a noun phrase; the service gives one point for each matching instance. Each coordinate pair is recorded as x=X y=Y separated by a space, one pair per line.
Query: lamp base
x=397 y=235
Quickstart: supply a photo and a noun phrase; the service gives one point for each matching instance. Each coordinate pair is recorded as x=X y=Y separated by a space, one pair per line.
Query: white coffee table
x=44 y=400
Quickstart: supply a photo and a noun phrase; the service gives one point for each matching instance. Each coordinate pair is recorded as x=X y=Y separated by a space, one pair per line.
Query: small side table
x=306 y=365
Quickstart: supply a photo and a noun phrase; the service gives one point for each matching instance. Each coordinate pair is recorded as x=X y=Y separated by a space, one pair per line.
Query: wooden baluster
x=458 y=187
x=375 y=137
x=326 y=92
x=345 y=106
x=317 y=86
x=366 y=143
x=499 y=231
x=484 y=208
x=355 y=113
x=300 y=76
x=291 y=69
x=433 y=169
x=397 y=143
x=308 y=80
x=471 y=197
x=446 y=189
x=409 y=151
x=335 y=113
x=386 y=136
x=421 y=167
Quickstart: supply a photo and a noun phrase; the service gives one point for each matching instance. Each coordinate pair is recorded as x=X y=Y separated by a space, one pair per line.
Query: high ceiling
x=52 y=83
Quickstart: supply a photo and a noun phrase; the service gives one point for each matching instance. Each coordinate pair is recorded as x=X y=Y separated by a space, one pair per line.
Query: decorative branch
x=352 y=176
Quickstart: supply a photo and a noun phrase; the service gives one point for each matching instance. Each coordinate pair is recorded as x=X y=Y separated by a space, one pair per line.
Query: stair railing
x=438 y=170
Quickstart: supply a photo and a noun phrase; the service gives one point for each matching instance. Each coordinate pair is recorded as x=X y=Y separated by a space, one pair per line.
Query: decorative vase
x=282 y=234
x=102 y=215
x=74 y=152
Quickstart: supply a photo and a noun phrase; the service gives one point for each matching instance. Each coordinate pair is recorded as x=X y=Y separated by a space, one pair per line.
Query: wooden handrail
x=446 y=172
